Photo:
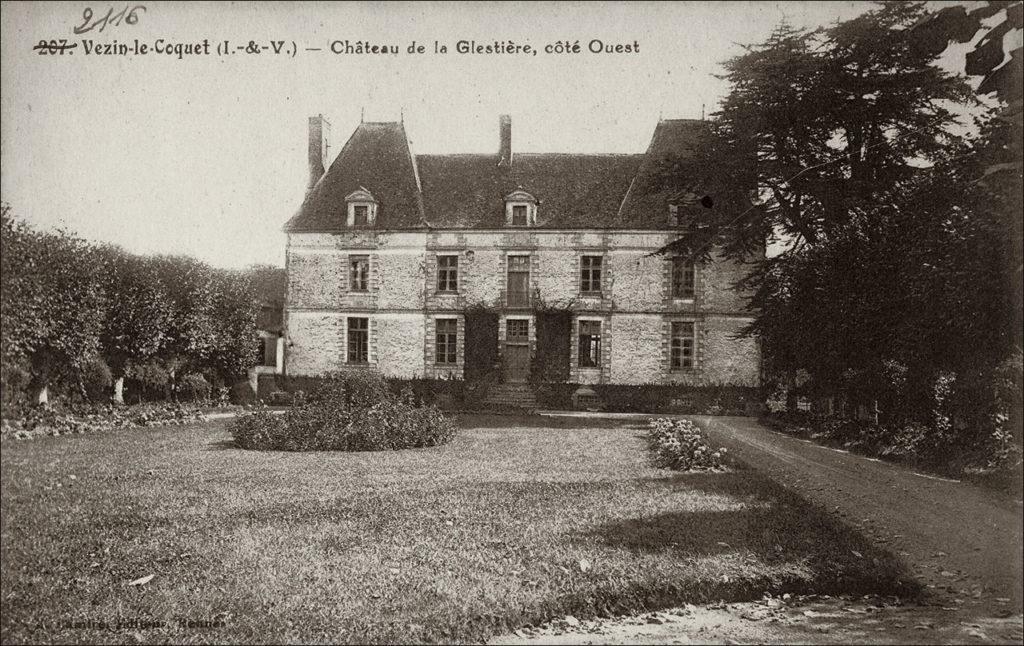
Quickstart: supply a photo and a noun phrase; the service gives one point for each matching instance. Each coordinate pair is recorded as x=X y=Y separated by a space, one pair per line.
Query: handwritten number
x=132 y=17
x=86 y=17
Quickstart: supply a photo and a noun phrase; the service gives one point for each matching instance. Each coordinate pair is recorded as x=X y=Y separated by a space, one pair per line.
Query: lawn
x=516 y=521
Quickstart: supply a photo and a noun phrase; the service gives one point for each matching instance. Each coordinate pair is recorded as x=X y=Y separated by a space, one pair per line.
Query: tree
x=890 y=230
x=234 y=311
x=138 y=318
x=52 y=305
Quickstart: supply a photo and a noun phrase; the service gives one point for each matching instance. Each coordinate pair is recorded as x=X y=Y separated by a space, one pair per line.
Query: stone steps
x=511 y=396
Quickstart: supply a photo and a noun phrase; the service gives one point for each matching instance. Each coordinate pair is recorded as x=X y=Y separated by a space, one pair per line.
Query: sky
x=206 y=154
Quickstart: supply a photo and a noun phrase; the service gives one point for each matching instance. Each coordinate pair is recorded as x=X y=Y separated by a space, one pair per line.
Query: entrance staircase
x=511 y=396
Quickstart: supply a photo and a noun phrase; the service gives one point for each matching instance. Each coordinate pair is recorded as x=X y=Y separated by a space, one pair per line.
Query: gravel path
x=957 y=537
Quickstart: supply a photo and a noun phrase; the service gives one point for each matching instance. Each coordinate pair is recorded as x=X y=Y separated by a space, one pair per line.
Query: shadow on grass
x=784 y=543
x=222 y=445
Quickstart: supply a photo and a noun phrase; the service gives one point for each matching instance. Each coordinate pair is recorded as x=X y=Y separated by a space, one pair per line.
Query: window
x=447 y=273
x=682 y=345
x=683 y=278
x=519 y=215
x=590 y=274
x=358 y=340
x=361 y=209
x=359 y=273
x=518 y=282
x=590 y=344
x=447 y=340
x=517 y=330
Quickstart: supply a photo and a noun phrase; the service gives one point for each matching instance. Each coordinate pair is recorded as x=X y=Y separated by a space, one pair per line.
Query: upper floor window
x=447 y=273
x=358 y=340
x=684 y=275
x=362 y=208
x=590 y=344
x=447 y=341
x=590 y=274
x=359 y=273
x=520 y=209
x=682 y=345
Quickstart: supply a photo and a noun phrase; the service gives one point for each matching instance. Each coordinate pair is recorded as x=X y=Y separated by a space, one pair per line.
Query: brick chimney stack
x=319 y=148
x=505 y=133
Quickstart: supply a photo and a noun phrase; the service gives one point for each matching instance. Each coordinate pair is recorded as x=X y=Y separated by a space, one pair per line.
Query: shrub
x=241 y=393
x=347 y=412
x=97 y=380
x=194 y=388
x=681 y=445
x=357 y=388
x=259 y=429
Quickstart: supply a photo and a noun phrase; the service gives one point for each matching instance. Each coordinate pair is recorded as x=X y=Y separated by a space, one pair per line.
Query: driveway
x=960 y=539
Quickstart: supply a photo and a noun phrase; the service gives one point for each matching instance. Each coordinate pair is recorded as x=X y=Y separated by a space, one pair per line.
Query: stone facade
x=402 y=302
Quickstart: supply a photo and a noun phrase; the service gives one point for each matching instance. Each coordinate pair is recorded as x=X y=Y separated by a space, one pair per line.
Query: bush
x=347 y=412
x=97 y=380
x=259 y=429
x=681 y=445
x=194 y=388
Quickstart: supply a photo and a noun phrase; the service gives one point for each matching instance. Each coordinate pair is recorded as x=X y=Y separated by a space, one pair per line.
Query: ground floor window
x=358 y=340
x=447 y=341
x=682 y=346
x=590 y=344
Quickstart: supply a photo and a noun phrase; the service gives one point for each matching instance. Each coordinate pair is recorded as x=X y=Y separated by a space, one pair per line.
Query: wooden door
x=517 y=350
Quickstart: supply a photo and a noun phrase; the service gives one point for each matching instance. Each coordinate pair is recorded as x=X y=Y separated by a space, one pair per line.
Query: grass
x=516 y=521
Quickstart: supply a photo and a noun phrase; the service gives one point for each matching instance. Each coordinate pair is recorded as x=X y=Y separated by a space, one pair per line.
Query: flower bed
x=348 y=412
x=53 y=422
x=681 y=445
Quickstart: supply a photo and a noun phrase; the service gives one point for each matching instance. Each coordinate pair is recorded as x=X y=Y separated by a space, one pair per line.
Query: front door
x=517 y=350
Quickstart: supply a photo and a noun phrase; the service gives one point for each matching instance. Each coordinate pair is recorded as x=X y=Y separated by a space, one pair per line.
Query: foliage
x=51 y=302
x=69 y=305
x=135 y=328
x=352 y=411
x=899 y=236
x=481 y=350
x=193 y=387
x=681 y=445
x=550 y=362
x=716 y=399
x=234 y=311
x=55 y=421
x=96 y=380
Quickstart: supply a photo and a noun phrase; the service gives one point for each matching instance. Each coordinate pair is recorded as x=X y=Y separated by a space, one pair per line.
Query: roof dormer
x=361 y=207
x=520 y=209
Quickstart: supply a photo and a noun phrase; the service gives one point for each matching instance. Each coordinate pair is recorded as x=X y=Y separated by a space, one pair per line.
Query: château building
x=390 y=250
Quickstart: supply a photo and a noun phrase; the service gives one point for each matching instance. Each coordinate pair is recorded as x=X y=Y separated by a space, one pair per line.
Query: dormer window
x=362 y=208
x=520 y=209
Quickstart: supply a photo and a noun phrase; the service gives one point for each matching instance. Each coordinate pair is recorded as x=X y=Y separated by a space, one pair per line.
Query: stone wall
x=635 y=302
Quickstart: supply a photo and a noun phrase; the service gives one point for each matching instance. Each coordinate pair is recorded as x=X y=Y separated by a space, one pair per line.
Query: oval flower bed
x=347 y=412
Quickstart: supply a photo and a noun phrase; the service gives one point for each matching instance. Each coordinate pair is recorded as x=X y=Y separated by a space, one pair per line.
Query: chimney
x=319 y=148
x=505 y=134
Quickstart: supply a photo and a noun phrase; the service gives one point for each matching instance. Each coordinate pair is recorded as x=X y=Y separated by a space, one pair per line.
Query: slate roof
x=467 y=191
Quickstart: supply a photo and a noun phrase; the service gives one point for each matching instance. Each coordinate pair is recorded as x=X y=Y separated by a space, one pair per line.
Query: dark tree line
x=79 y=317
x=894 y=196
